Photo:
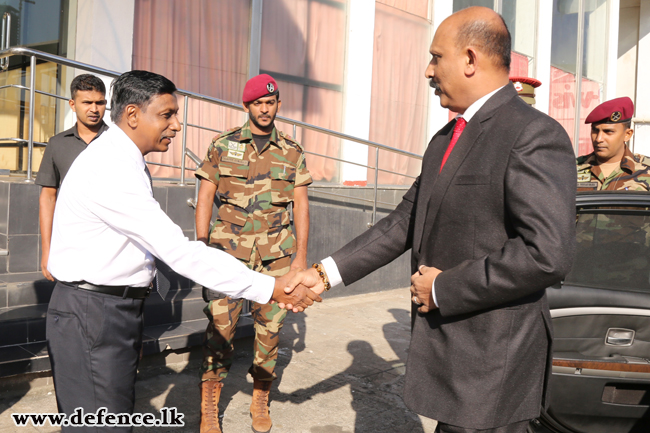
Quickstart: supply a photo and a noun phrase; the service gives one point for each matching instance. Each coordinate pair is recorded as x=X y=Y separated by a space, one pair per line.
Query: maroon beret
x=526 y=80
x=258 y=87
x=619 y=110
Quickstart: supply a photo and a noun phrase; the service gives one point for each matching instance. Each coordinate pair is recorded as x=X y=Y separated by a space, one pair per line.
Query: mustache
x=433 y=84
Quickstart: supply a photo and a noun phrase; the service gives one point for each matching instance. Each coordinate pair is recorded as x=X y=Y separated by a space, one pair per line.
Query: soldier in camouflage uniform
x=611 y=166
x=256 y=171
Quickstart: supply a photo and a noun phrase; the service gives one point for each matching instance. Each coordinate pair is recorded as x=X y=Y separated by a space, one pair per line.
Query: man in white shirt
x=107 y=229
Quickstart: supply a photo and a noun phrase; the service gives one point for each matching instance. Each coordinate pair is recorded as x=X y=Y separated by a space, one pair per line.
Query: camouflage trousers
x=224 y=314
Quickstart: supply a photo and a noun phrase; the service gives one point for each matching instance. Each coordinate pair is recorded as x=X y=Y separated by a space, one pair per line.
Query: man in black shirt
x=88 y=101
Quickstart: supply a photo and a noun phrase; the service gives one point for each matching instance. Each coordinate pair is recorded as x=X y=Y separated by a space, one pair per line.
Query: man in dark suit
x=490 y=222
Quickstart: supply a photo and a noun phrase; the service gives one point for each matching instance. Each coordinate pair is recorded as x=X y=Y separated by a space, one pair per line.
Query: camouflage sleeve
x=303 y=178
x=209 y=168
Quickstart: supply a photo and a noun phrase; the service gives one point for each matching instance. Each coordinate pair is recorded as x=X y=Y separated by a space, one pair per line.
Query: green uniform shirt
x=255 y=189
x=633 y=174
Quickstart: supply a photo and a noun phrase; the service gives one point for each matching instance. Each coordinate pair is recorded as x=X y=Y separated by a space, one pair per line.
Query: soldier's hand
x=296 y=300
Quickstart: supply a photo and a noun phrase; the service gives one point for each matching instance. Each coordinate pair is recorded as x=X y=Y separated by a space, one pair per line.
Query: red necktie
x=458 y=129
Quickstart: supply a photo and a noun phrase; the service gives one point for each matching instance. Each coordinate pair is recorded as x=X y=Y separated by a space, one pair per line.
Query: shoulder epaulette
x=226 y=133
x=642 y=159
x=291 y=140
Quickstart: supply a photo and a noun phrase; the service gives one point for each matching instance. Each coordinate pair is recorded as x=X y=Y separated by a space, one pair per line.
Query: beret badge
x=616 y=116
x=270 y=87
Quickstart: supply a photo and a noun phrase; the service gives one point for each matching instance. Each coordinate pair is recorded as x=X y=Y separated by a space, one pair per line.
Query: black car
x=601 y=321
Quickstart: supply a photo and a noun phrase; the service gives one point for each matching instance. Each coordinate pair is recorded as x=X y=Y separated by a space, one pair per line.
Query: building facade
x=353 y=66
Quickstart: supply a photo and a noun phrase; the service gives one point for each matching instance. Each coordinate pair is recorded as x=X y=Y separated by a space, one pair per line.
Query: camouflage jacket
x=633 y=174
x=255 y=190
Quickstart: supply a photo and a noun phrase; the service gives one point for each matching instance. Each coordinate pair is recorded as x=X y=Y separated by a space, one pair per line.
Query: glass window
x=520 y=17
x=564 y=53
x=303 y=42
x=613 y=250
x=462 y=4
x=564 y=35
x=594 y=57
x=415 y=7
x=204 y=50
x=595 y=40
x=34 y=24
x=567 y=106
x=37 y=25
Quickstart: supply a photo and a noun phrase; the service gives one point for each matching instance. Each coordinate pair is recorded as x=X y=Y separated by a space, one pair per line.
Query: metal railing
x=186 y=153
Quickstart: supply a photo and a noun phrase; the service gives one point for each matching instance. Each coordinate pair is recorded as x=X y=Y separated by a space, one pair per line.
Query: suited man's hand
x=297 y=299
x=421 y=285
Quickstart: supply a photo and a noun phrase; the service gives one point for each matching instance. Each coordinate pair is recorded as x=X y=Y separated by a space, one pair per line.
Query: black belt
x=121 y=291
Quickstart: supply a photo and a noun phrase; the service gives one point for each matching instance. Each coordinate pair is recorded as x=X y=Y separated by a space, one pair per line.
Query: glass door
x=40 y=25
x=33 y=23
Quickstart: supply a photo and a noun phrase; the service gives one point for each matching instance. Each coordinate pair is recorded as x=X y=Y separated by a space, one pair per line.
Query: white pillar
x=438 y=116
x=642 y=117
x=358 y=86
x=628 y=38
x=105 y=33
x=612 y=49
x=66 y=113
x=543 y=54
x=255 y=50
x=105 y=36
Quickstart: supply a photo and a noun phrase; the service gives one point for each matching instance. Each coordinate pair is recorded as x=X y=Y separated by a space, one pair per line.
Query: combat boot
x=260 y=406
x=210 y=393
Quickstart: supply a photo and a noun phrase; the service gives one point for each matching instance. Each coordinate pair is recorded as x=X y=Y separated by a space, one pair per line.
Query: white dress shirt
x=107 y=228
x=330 y=265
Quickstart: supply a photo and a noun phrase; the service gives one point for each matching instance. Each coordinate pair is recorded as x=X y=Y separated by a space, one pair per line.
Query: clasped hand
x=421 y=288
x=298 y=290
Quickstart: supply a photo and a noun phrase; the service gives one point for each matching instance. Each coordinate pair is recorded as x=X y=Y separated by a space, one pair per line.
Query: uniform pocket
x=282 y=184
x=229 y=169
x=278 y=221
x=232 y=183
x=232 y=215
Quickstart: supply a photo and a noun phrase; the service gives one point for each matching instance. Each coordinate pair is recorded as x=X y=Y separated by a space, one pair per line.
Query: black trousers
x=518 y=427
x=94 y=343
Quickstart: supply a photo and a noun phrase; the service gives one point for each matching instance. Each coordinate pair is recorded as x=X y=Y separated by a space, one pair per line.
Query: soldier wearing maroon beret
x=525 y=87
x=612 y=166
x=256 y=171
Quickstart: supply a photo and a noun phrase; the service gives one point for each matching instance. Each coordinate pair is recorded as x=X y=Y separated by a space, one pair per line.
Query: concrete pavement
x=340 y=368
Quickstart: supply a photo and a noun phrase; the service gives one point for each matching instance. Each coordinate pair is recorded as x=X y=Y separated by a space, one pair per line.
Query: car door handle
x=619 y=337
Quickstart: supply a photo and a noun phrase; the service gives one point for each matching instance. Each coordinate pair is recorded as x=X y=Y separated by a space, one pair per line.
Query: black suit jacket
x=499 y=221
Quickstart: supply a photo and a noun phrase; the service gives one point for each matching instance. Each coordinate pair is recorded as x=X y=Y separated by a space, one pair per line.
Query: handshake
x=298 y=289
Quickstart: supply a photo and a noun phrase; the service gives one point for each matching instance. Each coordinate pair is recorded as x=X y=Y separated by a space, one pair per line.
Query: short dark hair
x=139 y=88
x=628 y=124
x=493 y=40
x=86 y=82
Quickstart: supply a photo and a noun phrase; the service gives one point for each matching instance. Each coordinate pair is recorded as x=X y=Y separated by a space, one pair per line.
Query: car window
x=613 y=249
